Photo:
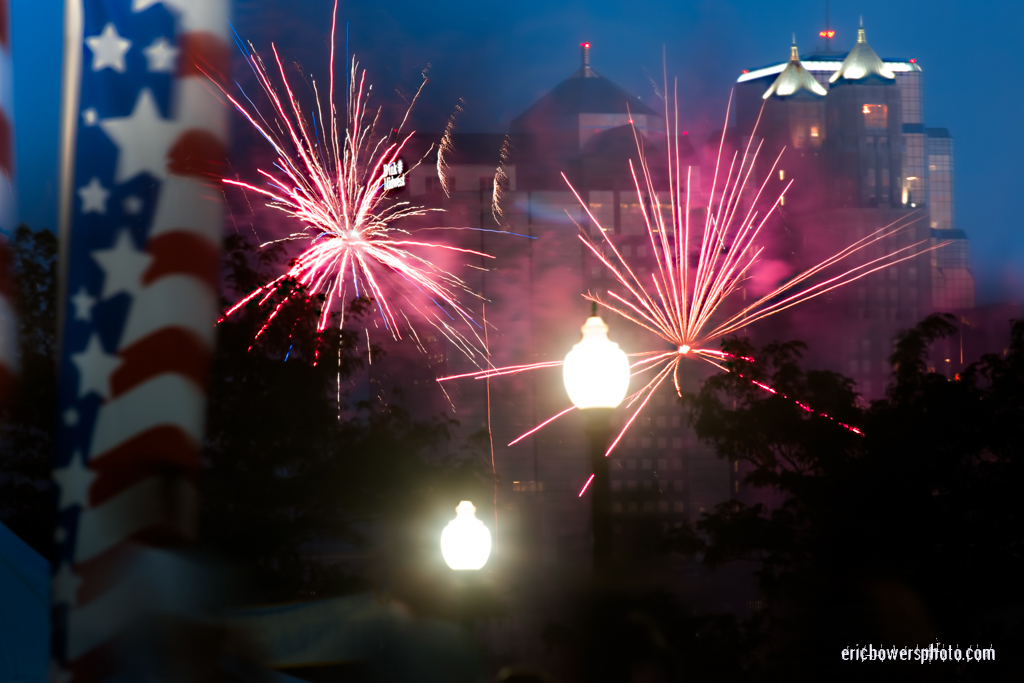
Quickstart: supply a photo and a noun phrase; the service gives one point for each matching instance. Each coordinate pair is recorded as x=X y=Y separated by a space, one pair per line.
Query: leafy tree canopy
x=910 y=533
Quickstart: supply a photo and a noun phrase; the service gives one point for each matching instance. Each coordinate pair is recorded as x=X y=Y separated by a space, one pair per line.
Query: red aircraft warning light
x=830 y=34
x=913 y=61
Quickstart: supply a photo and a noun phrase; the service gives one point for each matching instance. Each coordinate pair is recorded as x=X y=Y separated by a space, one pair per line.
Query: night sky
x=500 y=57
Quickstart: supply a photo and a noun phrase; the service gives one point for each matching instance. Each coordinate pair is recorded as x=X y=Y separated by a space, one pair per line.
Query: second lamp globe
x=596 y=371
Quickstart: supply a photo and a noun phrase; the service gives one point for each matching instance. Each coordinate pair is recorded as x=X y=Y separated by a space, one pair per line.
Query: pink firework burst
x=684 y=304
x=333 y=179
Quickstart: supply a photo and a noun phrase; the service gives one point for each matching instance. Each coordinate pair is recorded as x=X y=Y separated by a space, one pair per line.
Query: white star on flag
x=94 y=197
x=83 y=304
x=161 y=55
x=74 y=482
x=143 y=139
x=90 y=116
x=132 y=205
x=108 y=49
x=123 y=266
x=94 y=368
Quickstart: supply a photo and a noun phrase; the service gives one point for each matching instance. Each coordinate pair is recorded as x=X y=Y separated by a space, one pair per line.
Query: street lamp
x=465 y=542
x=596 y=375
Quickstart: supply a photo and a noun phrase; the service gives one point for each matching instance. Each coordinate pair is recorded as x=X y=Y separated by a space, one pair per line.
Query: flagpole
x=71 y=80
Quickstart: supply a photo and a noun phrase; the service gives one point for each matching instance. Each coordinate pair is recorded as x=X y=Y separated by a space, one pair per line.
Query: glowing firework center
x=394 y=175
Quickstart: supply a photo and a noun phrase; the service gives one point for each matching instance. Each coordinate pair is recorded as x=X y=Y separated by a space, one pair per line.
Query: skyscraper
x=872 y=163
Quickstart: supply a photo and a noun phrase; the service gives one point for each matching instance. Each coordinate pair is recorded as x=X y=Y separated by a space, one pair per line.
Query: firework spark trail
x=335 y=187
x=500 y=180
x=444 y=148
x=679 y=302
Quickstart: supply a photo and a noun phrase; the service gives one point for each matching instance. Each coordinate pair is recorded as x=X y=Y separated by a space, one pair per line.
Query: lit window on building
x=814 y=131
x=876 y=115
x=527 y=486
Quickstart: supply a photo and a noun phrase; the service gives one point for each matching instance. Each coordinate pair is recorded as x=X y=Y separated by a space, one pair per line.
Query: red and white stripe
x=146 y=441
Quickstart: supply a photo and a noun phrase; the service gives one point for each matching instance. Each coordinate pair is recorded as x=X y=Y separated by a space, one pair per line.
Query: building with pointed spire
x=878 y=163
x=794 y=80
x=864 y=153
x=554 y=132
x=861 y=63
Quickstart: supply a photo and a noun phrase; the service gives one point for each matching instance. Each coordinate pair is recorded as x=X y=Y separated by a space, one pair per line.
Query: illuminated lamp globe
x=465 y=542
x=596 y=371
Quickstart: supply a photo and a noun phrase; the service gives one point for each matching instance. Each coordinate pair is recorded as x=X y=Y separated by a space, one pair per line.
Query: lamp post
x=596 y=375
x=465 y=542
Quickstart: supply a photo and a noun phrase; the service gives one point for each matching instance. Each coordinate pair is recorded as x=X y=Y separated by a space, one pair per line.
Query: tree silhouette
x=28 y=420
x=287 y=469
x=911 y=533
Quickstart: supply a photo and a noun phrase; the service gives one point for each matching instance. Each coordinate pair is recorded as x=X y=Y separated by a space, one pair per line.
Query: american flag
x=8 y=322
x=7 y=203
x=141 y=234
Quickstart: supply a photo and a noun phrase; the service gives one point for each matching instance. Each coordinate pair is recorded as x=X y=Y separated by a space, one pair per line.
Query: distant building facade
x=587 y=128
x=861 y=159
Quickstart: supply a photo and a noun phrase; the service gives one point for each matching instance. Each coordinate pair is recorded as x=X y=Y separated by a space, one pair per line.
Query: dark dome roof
x=585 y=92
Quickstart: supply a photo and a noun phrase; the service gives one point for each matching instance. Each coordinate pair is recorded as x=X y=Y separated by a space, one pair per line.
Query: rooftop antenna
x=828 y=40
x=828 y=34
x=585 y=70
